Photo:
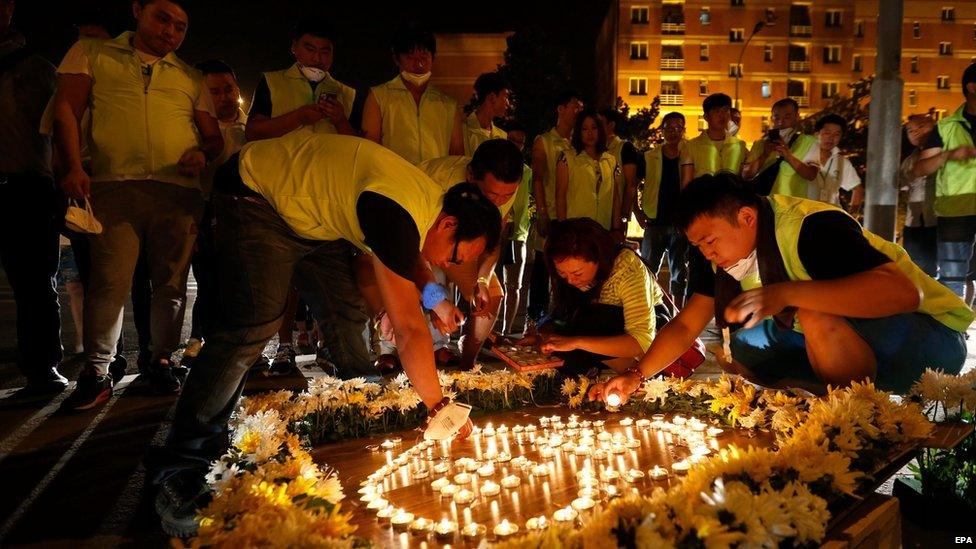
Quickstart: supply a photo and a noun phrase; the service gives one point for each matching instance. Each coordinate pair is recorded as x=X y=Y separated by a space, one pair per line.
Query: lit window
x=639 y=16
x=942 y=82
x=735 y=35
x=912 y=98
x=828 y=89
x=945 y=48
x=916 y=30
x=638 y=86
x=703 y=52
x=638 y=50
x=831 y=54
x=703 y=87
x=768 y=53
x=705 y=16
x=948 y=15
x=767 y=89
x=833 y=18
x=735 y=70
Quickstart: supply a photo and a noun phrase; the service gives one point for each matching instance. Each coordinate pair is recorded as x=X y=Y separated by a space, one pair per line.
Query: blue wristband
x=433 y=294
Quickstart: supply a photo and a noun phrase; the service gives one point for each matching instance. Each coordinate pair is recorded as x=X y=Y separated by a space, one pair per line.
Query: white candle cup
x=421 y=525
x=463 y=496
x=658 y=473
x=442 y=468
x=681 y=467
x=384 y=514
x=486 y=470
x=489 y=489
x=473 y=530
x=445 y=529
x=436 y=485
x=387 y=444
x=540 y=470
x=511 y=481
x=506 y=529
x=401 y=519
x=377 y=504
x=537 y=524
x=627 y=421
x=462 y=478
x=566 y=514
x=714 y=431
x=449 y=490
x=583 y=503
x=679 y=420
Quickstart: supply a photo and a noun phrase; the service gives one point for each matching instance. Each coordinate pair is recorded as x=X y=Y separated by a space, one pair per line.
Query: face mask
x=785 y=134
x=313 y=74
x=415 y=79
x=744 y=267
x=733 y=128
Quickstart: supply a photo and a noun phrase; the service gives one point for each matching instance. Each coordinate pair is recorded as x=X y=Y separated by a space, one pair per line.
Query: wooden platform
x=874 y=524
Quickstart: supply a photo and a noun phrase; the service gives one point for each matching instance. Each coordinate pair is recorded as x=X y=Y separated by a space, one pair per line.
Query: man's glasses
x=454 y=254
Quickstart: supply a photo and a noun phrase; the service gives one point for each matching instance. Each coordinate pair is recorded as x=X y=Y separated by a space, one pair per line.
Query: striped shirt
x=631 y=286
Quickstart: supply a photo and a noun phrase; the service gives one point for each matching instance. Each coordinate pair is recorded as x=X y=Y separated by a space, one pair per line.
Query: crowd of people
x=290 y=213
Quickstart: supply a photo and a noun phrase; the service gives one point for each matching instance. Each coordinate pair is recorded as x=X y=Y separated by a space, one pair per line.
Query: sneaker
x=117 y=368
x=177 y=502
x=193 y=346
x=261 y=366
x=388 y=364
x=46 y=385
x=284 y=361
x=92 y=391
x=163 y=379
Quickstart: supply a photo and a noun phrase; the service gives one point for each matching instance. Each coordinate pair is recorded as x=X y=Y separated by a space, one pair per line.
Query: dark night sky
x=253 y=36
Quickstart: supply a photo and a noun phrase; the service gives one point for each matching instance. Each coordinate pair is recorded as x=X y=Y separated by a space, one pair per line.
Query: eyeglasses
x=454 y=254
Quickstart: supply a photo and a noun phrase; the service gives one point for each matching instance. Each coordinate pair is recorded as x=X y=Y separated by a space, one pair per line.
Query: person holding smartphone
x=776 y=164
x=305 y=95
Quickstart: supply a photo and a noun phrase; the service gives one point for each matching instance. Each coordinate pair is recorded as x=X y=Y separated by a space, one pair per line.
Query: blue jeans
x=904 y=346
x=659 y=239
x=955 y=247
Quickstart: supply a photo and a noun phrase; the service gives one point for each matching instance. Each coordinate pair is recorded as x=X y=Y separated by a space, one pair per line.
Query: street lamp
x=760 y=25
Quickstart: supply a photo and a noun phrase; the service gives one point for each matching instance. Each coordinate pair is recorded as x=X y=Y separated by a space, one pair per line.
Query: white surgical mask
x=744 y=267
x=786 y=134
x=733 y=128
x=313 y=74
x=416 y=79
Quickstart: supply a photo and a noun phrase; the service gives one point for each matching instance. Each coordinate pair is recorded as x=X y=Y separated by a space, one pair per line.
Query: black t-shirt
x=629 y=154
x=831 y=245
x=262 y=98
x=667 y=198
x=934 y=140
x=390 y=232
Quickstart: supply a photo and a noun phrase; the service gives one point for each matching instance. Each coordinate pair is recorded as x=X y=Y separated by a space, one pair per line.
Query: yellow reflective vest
x=591 y=186
x=710 y=157
x=140 y=131
x=448 y=171
x=955 y=183
x=290 y=90
x=313 y=181
x=416 y=132
x=475 y=135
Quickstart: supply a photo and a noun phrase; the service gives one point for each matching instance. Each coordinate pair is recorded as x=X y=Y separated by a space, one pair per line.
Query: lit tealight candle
x=701 y=450
x=472 y=466
x=681 y=466
x=679 y=420
x=511 y=481
x=634 y=474
x=658 y=473
x=547 y=452
x=540 y=470
x=506 y=529
x=627 y=421
x=489 y=489
x=599 y=423
x=421 y=525
x=604 y=436
x=503 y=457
x=385 y=513
x=420 y=473
x=566 y=514
x=442 y=468
x=401 y=519
x=583 y=503
x=377 y=504
x=462 y=478
x=445 y=528
x=387 y=444
x=611 y=491
x=613 y=400
x=502 y=429
x=609 y=475
x=463 y=496
x=449 y=490
x=517 y=429
x=537 y=523
x=633 y=443
x=439 y=483
x=486 y=470
x=582 y=450
x=473 y=530
x=488 y=431
x=714 y=431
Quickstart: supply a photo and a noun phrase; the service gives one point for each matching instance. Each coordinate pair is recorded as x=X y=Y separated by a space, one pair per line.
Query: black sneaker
x=42 y=387
x=261 y=366
x=163 y=379
x=117 y=368
x=177 y=502
x=92 y=391
x=284 y=361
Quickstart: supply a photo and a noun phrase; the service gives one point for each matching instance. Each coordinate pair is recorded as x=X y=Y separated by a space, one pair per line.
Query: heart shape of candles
x=603 y=456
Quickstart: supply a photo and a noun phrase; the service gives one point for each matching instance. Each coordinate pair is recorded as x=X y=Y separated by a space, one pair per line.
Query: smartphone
x=328 y=96
x=773 y=135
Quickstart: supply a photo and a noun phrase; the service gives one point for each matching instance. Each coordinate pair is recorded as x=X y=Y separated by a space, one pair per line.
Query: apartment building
x=682 y=51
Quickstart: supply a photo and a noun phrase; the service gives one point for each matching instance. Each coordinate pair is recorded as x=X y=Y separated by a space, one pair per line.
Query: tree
x=638 y=128
x=537 y=69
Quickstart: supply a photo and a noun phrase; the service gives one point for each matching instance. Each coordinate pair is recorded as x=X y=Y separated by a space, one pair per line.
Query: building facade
x=462 y=57
x=683 y=51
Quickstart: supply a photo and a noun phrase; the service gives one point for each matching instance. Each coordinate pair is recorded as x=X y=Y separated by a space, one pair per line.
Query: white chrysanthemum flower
x=717 y=497
x=656 y=389
x=220 y=475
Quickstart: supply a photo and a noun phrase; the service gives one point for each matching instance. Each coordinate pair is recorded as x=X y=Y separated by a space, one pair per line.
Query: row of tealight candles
x=584 y=439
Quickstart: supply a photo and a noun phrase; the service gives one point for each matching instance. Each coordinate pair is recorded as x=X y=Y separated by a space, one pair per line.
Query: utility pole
x=884 y=130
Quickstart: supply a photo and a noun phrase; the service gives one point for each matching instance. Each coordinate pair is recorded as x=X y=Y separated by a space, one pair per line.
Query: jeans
x=29 y=248
x=138 y=216
x=955 y=248
x=258 y=257
x=206 y=308
x=921 y=244
x=512 y=275
x=659 y=239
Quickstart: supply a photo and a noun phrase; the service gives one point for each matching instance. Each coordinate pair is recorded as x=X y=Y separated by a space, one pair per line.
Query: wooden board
x=873 y=524
x=526 y=358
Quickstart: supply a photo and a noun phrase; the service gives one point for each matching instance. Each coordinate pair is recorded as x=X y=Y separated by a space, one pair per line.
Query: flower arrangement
x=267 y=490
x=945 y=474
